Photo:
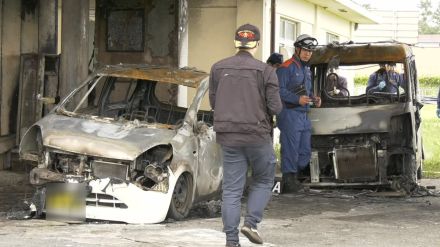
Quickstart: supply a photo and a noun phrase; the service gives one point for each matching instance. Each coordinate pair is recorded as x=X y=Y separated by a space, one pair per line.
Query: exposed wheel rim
x=181 y=194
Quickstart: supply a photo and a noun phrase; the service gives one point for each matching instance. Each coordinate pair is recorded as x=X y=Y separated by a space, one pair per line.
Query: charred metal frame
x=388 y=129
x=107 y=153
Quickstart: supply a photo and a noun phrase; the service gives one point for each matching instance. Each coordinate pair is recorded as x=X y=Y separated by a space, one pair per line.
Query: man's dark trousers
x=235 y=164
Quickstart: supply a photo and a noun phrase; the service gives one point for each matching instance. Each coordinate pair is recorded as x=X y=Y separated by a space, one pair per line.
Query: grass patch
x=431 y=141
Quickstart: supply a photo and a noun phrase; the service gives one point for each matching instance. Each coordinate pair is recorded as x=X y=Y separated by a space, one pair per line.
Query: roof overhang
x=348 y=10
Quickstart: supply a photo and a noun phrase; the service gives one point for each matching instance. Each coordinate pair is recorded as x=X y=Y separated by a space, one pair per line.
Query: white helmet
x=305 y=41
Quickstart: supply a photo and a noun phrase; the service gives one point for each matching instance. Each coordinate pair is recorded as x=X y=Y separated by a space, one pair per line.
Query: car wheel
x=181 y=200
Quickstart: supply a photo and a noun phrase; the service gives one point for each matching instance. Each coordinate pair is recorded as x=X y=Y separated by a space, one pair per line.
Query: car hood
x=101 y=138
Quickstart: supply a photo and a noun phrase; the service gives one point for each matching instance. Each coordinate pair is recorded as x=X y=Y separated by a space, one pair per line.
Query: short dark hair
x=275 y=58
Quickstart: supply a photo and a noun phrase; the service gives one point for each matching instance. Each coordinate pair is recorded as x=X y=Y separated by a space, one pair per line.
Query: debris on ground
x=208 y=209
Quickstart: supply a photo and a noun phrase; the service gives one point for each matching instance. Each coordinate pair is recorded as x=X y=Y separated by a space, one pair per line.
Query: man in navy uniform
x=385 y=79
x=295 y=80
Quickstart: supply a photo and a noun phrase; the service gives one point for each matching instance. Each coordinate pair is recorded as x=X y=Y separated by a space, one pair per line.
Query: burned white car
x=121 y=133
x=365 y=134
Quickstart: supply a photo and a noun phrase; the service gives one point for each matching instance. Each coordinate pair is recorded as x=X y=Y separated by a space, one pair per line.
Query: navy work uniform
x=294 y=125
x=392 y=81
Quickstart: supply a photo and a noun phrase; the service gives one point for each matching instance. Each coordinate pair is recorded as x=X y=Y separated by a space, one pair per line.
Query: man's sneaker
x=251 y=234
x=232 y=244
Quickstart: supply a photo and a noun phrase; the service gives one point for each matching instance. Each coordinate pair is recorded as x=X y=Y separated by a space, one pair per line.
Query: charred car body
x=141 y=156
x=365 y=137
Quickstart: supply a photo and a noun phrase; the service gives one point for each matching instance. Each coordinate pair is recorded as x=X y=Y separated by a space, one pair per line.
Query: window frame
x=331 y=37
x=284 y=42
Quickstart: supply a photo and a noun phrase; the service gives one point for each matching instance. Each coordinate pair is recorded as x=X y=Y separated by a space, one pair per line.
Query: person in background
x=244 y=94
x=385 y=79
x=275 y=60
x=438 y=103
x=295 y=80
x=336 y=85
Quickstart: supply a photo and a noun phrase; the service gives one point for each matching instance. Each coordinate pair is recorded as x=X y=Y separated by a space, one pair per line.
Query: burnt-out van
x=366 y=132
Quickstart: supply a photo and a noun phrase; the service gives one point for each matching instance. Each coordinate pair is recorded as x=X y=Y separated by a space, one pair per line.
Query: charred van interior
x=356 y=96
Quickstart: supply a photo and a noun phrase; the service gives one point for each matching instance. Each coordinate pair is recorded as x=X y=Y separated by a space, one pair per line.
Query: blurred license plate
x=66 y=202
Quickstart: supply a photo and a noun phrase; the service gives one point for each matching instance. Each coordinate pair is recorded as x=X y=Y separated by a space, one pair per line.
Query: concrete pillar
x=47 y=26
x=29 y=27
x=10 y=61
x=1 y=53
x=182 y=97
x=74 y=51
x=316 y=24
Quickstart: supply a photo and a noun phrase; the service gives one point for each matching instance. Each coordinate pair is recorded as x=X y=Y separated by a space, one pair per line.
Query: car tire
x=181 y=200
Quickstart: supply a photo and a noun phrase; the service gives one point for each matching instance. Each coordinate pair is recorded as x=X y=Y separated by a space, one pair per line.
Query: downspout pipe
x=272 y=25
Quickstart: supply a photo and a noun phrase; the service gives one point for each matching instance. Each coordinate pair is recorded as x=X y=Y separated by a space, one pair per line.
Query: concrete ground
x=315 y=218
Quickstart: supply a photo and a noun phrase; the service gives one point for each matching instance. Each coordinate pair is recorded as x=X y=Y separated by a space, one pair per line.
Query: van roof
x=358 y=53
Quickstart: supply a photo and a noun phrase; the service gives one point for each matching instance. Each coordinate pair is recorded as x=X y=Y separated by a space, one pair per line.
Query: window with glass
x=332 y=38
x=288 y=33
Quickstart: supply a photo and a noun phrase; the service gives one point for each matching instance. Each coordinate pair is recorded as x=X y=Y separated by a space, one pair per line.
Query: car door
x=210 y=160
x=209 y=156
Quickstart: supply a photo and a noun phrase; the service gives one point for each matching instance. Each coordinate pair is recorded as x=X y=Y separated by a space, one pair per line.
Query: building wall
x=398 y=25
x=253 y=11
x=299 y=11
x=211 y=27
x=205 y=27
x=427 y=61
x=211 y=31
x=427 y=53
x=212 y=24
x=313 y=20
x=329 y=23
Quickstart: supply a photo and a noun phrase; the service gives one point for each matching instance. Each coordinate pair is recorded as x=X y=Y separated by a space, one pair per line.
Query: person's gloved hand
x=336 y=91
x=438 y=112
x=382 y=85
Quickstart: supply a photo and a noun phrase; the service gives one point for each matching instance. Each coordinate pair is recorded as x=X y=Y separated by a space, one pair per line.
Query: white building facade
x=212 y=24
x=399 y=25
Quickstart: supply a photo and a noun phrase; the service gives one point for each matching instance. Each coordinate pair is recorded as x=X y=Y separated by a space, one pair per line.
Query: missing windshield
x=378 y=83
x=130 y=99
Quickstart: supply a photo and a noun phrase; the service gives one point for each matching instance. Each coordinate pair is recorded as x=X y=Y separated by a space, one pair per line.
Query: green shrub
x=361 y=81
x=429 y=81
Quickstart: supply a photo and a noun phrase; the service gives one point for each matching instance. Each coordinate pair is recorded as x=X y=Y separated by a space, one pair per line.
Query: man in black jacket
x=244 y=95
